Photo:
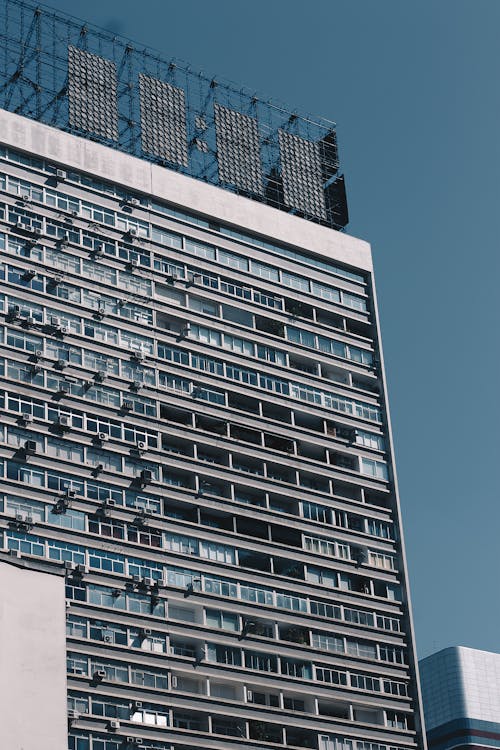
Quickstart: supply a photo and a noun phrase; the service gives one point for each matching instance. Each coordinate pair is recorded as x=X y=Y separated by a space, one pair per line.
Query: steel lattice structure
x=81 y=79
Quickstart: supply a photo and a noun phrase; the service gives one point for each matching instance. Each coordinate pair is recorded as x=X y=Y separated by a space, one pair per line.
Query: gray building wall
x=32 y=660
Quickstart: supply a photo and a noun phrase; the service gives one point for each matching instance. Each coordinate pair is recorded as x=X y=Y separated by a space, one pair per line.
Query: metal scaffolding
x=94 y=84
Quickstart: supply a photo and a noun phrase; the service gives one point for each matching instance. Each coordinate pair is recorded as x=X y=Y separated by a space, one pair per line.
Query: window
x=216 y=618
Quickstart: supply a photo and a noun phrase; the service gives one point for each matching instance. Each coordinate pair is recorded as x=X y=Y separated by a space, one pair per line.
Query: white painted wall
x=33 y=712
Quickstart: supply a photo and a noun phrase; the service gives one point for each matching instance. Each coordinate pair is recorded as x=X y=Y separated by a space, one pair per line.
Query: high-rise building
x=461 y=698
x=198 y=484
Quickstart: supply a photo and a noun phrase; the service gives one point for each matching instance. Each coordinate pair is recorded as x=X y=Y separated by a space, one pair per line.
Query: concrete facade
x=196 y=430
x=32 y=659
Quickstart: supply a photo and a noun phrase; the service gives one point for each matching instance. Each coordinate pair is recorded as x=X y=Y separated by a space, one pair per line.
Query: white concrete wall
x=77 y=153
x=33 y=712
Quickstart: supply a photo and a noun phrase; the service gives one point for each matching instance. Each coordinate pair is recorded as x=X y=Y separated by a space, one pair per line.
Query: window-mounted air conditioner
x=134 y=202
x=26 y=198
x=30 y=447
x=38 y=353
x=29 y=274
x=73 y=715
x=174 y=680
x=136 y=578
x=20 y=518
x=138 y=356
x=146 y=632
x=69 y=565
x=64 y=421
x=141 y=445
x=30 y=320
x=99 y=674
x=148 y=582
x=114 y=724
x=36 y=231
x=146 y=475
x=109 y=502
x=132 y=232
x=26 y=417
x=136 y=705
x=61 y=174
x=249 y=695
x=102 y=437
x=64 y=387
x=61 y=364
x=127 y=405
x=55 y=321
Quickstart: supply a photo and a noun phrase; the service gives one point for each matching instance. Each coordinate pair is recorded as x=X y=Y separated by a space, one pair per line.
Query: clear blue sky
x=414 y=87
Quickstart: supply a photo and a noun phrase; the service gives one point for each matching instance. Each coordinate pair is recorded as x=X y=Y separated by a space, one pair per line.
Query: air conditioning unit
x=132 y=231
x=146 y=476
x=64 y=387
x=61 y=364
x=19 y=222
x=149 y=582
x=30 y=320
x=73 y=715
x=69 y=565
x=61 y=174
x=57 y=279
x=99 y=674
x=102 y=437
x=146 y=632
x=136 y=385
x=69 y=493
x=134 y=202
x=37 y=231
x=38 y=353
x=136 y=705
x=64 y=421
x=109 y=502
x=20 y=517
x=107 y=638
x=114 y=724
x=26 y=418
x=134 y=741
x=138 y=355
x=82 y=569
x=26 y=197
x=173 y=680
x=30 y=447
x=136 y=578
x=29 y=274
x=55 y=321
x=141 y=445
x=99 y=376
x=14 y=311
x=35 y=369
x=127 y=405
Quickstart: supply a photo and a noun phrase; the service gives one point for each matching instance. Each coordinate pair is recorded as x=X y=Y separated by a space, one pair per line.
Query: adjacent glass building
x=195 y=438
x=461 y=697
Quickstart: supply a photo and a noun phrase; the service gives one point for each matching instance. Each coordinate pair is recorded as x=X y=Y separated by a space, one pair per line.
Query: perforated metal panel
x=238 y=149
x=301 y=174
x=163 y=120
x=92 y=93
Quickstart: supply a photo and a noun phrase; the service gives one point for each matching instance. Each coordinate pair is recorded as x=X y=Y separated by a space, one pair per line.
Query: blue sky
x=414 y=88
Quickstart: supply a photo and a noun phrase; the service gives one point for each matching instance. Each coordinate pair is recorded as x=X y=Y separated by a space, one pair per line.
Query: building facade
x=461 y=698
x=195 y=454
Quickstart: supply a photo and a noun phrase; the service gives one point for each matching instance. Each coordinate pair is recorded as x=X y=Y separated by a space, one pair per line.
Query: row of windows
x=216 y=619
x=299 y=391
x=21 y=188
x=115 y=671
x=124 y=222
